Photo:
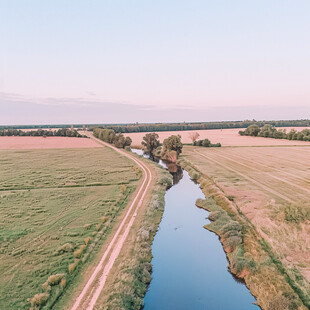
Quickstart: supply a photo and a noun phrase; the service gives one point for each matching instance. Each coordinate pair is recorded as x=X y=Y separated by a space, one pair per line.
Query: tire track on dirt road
x=92 y=289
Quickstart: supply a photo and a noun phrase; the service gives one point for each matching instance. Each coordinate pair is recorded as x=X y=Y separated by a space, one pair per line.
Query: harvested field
x=56 y=209
x=21 y=143
x=227 y=137
x=271 y=186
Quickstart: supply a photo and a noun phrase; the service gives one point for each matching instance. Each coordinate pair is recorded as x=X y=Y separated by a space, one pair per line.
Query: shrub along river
x=190 y=269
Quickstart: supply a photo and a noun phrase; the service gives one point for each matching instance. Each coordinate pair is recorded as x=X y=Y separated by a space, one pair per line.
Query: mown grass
x=48 y=231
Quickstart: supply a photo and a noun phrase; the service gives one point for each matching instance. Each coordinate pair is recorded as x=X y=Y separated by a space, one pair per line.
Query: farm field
x=57 y=206
x=271 y=186
x=17 y=143
x=227 y=137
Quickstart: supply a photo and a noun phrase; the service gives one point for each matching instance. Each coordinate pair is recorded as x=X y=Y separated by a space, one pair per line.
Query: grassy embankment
x=57 y=207
x=132 y=272
x=250 y=257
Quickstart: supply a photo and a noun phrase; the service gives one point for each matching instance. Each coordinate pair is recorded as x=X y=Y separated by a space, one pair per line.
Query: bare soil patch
x=21 y=143
x=227 y=137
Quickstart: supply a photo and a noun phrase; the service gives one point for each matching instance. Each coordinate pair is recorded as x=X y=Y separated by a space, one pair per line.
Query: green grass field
x=56 y=206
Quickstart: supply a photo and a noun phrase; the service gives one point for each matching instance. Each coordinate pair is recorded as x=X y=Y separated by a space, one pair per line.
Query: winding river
x=190 y=269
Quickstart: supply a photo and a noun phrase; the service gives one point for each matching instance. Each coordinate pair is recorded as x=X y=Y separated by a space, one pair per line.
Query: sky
x=98 y=61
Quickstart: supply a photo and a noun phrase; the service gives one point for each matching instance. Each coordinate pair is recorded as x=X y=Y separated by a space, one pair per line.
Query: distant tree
x=173 y=143
x=119 y=140
x=193 y=136
x=252 y=130
x=267 y=131
x=128 y=141
x=150 y=142
x=292 y=135
x=172 y=148
x=206 y=143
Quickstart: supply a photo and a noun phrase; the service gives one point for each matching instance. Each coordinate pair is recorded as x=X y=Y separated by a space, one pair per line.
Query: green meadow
x=56 y=208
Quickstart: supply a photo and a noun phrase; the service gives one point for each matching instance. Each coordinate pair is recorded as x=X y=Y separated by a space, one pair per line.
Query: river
x=190 y=268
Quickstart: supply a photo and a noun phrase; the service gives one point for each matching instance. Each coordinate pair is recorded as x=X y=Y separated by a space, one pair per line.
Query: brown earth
x=16 y=143
x=227 y=137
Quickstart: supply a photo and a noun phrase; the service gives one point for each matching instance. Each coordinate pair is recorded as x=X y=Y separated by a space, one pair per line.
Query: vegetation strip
x=269 y=131
x=150 y=127
x=134 y=272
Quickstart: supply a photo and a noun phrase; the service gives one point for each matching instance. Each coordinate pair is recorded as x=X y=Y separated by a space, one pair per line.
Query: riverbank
x=249 y=255
x=130 y=281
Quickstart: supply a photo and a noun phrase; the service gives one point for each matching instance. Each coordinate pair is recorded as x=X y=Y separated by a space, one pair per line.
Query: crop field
x=18 y=143
x=227 y=137
x=56 y=207
x=271 y=186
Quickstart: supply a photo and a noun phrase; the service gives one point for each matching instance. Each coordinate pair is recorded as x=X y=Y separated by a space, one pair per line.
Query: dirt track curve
x=92 y=289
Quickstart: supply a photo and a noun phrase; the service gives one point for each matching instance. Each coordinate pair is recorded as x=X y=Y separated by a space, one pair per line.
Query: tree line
x=128 y=128
x=269 y=131
x=110 y=136
x=169 y=150
x=172 y=146
x=153 y=127
x=206 y=143
x=62 y=132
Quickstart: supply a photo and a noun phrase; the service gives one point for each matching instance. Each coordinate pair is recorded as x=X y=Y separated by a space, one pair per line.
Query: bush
x=195 y=176
x=72 y=266
x=67 y=247
x=78 y=253
x=296 y=214
x=63 y=282
x=238 y=261
x=252 y=130
x=39 y=300
x=231 y=226
x=166 y=181
x=87 y=240
x=172 y=148
x=46 y=286
x=233 y=241
x=206 y=143
x=55 y=279
x=213 y=216
x=109 y=136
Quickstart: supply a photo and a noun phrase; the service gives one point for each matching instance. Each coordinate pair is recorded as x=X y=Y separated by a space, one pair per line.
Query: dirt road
x=92 y=289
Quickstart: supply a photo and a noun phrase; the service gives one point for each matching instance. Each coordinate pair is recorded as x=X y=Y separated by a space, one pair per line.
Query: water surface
x=189 y=263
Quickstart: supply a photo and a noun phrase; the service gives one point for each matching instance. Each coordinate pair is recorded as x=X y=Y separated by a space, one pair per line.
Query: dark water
x=189 y=263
